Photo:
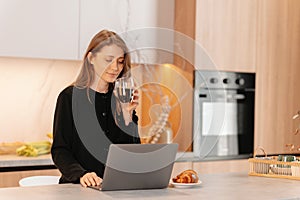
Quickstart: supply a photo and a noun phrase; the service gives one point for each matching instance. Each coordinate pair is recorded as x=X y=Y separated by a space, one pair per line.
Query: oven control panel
x=221 y=79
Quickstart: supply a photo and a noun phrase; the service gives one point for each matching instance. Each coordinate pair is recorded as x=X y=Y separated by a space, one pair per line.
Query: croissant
x=187 y=176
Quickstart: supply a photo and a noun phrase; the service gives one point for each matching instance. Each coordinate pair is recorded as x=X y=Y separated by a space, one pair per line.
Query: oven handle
x=228 y=96
x=236 y=96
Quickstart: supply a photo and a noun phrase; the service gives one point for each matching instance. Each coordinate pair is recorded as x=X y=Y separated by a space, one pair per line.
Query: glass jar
x=166 y=135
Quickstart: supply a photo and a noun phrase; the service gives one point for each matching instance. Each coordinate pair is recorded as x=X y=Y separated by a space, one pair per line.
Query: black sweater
x=83 y=130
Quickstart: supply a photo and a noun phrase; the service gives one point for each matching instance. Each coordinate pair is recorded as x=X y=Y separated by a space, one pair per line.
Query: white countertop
x=46 y=160
x=22 y=161
x=214 y=186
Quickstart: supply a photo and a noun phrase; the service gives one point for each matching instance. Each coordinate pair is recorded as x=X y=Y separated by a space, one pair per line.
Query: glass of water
x=124 y=88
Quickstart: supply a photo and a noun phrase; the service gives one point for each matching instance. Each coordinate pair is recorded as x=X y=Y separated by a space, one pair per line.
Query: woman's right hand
x=90 y=179
x=128 y=108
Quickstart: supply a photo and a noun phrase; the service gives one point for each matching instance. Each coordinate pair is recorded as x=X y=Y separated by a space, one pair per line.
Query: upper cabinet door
x=137 y=21
x=39 y=29
x=226 y=31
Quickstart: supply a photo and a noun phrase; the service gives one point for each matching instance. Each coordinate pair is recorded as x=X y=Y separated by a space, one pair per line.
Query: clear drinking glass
x=124 y=88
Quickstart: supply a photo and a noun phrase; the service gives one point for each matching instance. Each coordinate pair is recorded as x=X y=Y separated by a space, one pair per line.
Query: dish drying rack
x=269 y=166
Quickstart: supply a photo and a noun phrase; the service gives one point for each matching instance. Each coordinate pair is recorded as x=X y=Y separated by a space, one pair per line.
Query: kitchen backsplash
x=29 y=89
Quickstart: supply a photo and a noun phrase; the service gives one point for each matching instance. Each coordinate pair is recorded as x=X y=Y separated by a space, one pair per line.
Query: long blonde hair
x=86 y=75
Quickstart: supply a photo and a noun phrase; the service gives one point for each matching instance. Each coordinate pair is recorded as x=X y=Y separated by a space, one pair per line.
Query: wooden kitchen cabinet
x=63 y=29
x=277 y=75
x=222 y=166
x=39 y=29
x=212 y=167
x=254 y=36
x=11 y=179
x=227 y=32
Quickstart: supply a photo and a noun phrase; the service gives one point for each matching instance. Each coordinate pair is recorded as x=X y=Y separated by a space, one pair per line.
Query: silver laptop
x=138 y=166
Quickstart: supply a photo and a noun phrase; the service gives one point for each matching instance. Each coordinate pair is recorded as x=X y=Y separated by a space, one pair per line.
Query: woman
x=88 y=117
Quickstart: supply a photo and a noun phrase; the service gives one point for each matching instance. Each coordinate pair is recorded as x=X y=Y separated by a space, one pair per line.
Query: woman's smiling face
x=108 y=62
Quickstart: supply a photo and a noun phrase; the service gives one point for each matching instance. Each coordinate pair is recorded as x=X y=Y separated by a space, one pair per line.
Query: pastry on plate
x=187 y=176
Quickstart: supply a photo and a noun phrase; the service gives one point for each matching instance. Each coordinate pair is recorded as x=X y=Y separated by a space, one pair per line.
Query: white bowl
x=39 y=180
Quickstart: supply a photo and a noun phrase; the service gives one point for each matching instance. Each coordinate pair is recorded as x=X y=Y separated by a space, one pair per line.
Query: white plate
x=39 y=180
x=186 y=185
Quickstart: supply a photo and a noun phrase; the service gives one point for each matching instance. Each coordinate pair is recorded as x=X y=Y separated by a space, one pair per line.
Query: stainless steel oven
x=223 y=118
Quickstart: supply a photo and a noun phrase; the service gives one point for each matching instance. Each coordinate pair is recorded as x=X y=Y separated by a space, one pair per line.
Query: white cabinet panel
x=62 y=29
x=121 y=16
x=39 y=28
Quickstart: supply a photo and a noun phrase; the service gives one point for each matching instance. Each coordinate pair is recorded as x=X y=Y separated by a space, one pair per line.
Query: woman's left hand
x=90 y=179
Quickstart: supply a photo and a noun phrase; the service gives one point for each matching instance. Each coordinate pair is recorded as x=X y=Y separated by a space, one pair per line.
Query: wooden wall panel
x=227 y=30
x=278 y=70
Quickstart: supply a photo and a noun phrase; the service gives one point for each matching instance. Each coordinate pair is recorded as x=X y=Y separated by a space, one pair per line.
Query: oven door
x=222 y=123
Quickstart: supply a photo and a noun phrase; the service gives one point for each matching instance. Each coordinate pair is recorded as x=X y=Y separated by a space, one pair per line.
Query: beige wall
x=29 y=88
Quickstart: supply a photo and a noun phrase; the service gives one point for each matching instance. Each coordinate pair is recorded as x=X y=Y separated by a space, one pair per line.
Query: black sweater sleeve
x=63 y=132
x=134 y=126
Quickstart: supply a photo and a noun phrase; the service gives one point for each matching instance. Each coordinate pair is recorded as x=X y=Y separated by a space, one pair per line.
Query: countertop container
x=273 y=167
